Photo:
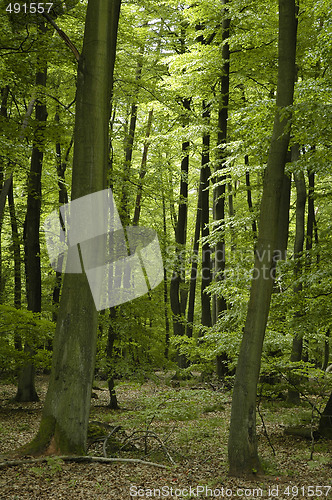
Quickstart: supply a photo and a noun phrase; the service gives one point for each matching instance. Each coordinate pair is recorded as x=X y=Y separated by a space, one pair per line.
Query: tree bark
x=301 y=196
x=325 y=422
x=206 y=317
x=3 y=114
x=249 y=199
x=165 y=278
x=220 y=189
x=242 y=445
x=64 y=423
x=142 y=171
x=129 y=144
x=61 y=166
x=178 y=293
x=26 y=381
x=194 y=263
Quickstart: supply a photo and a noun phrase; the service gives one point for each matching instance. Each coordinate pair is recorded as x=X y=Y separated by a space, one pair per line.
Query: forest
x=165 y=249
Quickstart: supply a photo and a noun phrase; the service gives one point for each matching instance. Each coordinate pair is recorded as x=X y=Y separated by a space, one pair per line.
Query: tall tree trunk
x=301 y=196
x=283 y=222
x=194 y=263
x=129 y=145
x=111 y=336
x=242 y=445
x=3 y=114
x=220 y=189
x=325 y=421
x=326 y=350
x=26 y=382
x=249 y=199
x=165 y=277
x=61 y=166
x=64 y=424
x=206 y=317
x=142 y=171
x=178 y=293
x=16 y=250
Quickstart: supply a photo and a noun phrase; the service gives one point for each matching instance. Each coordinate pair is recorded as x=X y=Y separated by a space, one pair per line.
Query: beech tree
x=242 y=445
x=64 y=424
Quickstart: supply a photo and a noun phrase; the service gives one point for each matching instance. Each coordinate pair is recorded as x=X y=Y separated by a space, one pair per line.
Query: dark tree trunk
x=220 y=189
x=206 y=317
x=26 y=383
x=301 y=196
x=142 y=171
x=165 y=280
x=17 y=259
x=61 y=167
x=129 y=144
x=193 y=275
x=113 y=404
x=249 y=199
x=326 y=350
x=3 y=114
x=178 y=292
x=325 y=422
x=242 y=445
x=283 y=222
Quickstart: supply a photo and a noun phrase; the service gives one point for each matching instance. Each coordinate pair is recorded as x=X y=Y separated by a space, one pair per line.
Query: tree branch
x=63 y=35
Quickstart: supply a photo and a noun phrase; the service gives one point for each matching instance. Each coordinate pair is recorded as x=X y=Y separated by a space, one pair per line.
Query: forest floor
x=192 y=421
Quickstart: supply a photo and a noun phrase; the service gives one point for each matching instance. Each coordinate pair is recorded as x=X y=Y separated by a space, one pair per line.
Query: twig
x=263 y=423
x=314 y=407
x=118 y=427
x=151 y=434
x=79 y=459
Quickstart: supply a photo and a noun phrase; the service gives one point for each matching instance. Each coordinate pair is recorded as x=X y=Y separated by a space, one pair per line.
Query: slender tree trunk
x=249 y=201
x=64 y=423
x=165 y=279
x=242 y=445
x=326 y=350
x=325 y=422
x=178 y=292
x=194 y=263
x=17 y=259
x=16 y=250
x=26 y=382
x=113 y=404
x=301 y=196
x=220 y=189
x=129 y=145
x=283 y=222
x=206 y=318
x=3 y=114
x=61 y=166
x=142 y=171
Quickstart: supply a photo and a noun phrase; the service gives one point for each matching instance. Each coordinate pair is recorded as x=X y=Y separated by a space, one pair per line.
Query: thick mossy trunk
x=64 y=423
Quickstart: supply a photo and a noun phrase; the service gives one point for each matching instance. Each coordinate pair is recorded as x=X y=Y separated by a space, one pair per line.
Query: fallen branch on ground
x=79 y=459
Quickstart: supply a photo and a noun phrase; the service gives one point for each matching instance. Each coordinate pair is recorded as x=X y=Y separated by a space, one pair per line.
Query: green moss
x=43 y=438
